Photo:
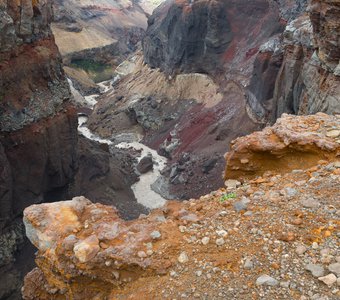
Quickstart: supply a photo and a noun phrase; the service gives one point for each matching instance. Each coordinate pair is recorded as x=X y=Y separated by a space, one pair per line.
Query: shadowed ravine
x=142 y=188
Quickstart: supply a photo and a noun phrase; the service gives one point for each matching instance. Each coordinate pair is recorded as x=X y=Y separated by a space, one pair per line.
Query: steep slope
x=81 y=25
x=41 y=158
x=304 y=65
x=187 y=95
x=97 y=36
x=208 y=36
x=272 y=237
x=38 y=126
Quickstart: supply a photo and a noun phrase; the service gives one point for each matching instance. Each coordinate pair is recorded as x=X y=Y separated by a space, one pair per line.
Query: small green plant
x=227 y=196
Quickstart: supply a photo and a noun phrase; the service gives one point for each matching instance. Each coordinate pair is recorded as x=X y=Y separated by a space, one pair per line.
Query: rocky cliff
x=38 y=126
x=271 y=237
x=187 y=95
x=41 y=157
x=305 y=64
x=96 y=37
x=208 y=36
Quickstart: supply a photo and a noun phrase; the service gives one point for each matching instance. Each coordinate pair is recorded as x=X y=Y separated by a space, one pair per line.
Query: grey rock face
x=296 y=77
x=335 y=268
x=24 y=23
x=291 y=9
x=190 y=38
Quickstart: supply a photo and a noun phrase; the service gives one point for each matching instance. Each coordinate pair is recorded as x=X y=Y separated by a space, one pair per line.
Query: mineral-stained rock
x=292 y=143
x=300 y=72
x=326 y=28
x=32 y=81
x=38 y=125
x=87 y=249
x=95 y=244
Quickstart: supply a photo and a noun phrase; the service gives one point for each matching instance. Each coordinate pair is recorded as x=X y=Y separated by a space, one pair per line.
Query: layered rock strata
x=38 y=124
x=305 y=65
x=38 y=127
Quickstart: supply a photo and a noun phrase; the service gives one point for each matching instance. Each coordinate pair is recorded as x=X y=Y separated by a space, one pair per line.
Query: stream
x=142 y=190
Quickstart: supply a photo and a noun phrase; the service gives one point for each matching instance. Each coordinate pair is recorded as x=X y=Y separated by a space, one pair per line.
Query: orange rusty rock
x=297 y=221
x=287 y=237
x=336 y=171
x=284 y=147
x=327 y=233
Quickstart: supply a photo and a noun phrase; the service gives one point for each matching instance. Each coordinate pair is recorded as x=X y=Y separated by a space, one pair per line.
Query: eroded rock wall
x=38 y=125
x=306 y=60
x=324 y=16
x=208 y=36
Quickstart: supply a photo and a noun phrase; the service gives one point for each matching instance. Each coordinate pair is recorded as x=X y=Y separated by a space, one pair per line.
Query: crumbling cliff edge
x=273 y=235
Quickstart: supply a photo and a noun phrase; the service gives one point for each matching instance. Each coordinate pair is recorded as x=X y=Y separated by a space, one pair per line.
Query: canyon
x=135 y=109
x=213 y=247
x=93 y=38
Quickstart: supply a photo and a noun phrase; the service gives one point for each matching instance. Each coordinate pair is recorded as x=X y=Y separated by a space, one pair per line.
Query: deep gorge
x=184 y=81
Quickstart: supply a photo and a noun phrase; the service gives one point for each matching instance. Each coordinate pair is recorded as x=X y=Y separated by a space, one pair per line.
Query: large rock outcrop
x=291 y=143
x=41 y=158
x=207 y=36
x=305 y=63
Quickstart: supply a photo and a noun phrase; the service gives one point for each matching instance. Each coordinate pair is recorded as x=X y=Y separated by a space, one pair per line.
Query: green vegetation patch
x=227 y=196
x=97 y=71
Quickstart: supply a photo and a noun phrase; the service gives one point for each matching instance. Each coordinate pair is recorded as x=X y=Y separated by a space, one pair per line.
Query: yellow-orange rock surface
x=293 y=142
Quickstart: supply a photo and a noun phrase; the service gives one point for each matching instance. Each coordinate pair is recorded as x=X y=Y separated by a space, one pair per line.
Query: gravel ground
x=275 y=237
